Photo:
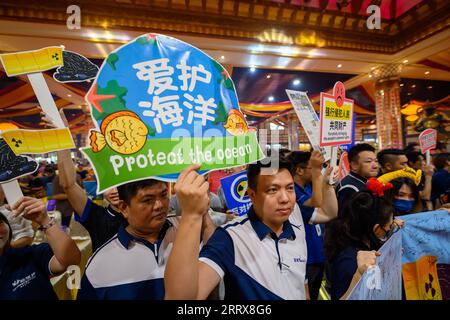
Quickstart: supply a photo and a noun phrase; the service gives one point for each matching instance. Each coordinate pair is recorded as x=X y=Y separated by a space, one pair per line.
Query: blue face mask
x=403 y=206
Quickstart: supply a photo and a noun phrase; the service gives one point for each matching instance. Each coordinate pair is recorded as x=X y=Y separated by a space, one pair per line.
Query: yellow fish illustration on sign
x=122 y=131
x=236 y=124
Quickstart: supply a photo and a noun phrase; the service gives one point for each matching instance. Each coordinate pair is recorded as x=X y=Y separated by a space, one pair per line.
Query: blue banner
x=426 y=234
x=384 y=280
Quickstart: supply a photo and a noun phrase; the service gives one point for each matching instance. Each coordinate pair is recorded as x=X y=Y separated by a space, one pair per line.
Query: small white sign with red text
x=427 y=140
x=336 y=117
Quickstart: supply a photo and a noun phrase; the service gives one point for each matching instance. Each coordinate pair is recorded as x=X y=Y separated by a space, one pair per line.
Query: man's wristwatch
x=51 y=223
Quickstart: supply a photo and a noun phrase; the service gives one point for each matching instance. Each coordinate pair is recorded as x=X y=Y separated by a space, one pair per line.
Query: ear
x=378 y=231
x=354 y=166
x=299 y=171
x=388 y=167
x=252 y=194
x=124 y=208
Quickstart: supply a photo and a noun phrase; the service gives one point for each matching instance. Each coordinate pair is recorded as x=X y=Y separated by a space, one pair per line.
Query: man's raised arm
x=182 y=279
x=67 y=179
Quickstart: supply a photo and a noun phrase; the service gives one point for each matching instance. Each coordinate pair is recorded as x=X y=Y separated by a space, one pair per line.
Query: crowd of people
x=303 y=228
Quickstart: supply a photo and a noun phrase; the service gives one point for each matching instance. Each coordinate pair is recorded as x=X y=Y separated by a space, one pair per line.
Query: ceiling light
x=401 y=84
x=413 y=86
x=252 y=69
x=222 y=57
x=373 y=68
x=427 y=72
x=268 y=76
x=405 y=61
x=370 y=76
x=69 y=95
x=271 y=98
x=339 y=65
x=296 y=82
x=430 y=87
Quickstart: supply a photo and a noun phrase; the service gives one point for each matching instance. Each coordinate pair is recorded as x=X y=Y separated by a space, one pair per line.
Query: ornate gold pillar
x=387 y=106
x=293 y=134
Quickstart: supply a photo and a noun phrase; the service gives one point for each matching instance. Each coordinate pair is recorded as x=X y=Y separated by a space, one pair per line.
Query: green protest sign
x=159 y=105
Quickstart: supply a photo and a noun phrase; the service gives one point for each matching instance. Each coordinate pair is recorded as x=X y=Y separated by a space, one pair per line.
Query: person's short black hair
x=413 y=156
x=5 y=220
x=353 y=153
x=389 y=155
x=49 y=169
x=440 y=160
x=299 y=158
x=254 y=169
x=441 y=146
x=128 y=191
x=410 y=147
x=284 y=152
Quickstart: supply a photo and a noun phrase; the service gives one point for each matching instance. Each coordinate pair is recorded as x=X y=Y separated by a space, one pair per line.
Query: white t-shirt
x=20 y=227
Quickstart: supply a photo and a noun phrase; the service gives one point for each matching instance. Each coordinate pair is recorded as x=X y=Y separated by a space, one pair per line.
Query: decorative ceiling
x=339 y=24
x=316 y=42
x=390 y=9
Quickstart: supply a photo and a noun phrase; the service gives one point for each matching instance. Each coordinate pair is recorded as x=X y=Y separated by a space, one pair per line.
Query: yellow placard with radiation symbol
x=37 y=142
x=32 y=61
x=421 y=280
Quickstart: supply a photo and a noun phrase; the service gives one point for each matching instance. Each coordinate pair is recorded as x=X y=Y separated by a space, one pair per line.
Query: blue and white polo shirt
x=126 y=267
x=254 y=263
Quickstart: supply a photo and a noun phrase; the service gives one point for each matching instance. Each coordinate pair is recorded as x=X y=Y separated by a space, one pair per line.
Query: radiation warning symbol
x=429 y=290
x=239 y=189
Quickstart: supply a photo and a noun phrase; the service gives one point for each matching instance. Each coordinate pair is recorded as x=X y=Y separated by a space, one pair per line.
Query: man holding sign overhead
x=159 y=105
x=261 y=256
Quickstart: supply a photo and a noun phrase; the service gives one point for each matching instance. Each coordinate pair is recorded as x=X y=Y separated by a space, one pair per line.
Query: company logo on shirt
x=20 y=283
x=299 y=260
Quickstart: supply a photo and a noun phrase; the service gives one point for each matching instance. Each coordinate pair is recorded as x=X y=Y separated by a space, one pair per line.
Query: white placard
x=45 y=98
x=12 y=191
x=336 y=117
x=308 y=119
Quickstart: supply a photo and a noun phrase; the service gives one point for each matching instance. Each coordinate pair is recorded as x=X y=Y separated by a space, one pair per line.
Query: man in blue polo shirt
x=311 y=190
x=130 y=266
x=261 y=256
x=363 y=166
x=101 y=223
